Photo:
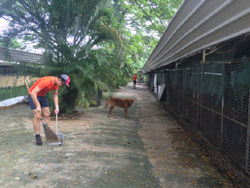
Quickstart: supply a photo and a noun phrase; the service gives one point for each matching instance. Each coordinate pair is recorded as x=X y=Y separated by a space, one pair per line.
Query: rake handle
x=27 y=86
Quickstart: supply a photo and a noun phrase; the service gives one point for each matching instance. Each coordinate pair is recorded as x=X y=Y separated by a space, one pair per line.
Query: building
x=200 y=70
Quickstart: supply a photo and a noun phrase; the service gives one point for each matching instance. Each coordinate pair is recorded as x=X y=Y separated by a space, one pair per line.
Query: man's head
x=65 y=79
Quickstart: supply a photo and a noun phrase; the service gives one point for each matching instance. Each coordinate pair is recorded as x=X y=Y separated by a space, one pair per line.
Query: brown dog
x=122 y=103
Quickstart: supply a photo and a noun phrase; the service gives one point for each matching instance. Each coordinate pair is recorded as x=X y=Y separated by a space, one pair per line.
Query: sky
x=3 y=25
x=29 y=46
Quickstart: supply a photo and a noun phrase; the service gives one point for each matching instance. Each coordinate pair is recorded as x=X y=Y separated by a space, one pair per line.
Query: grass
x=10 y=92
x=13 y=86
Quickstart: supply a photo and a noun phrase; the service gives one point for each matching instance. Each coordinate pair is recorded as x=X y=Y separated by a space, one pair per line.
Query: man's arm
x=33 y=95
x=56 y=102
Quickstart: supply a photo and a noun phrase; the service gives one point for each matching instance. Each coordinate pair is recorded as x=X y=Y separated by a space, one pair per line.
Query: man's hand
x=38 y=111
x=57 y=110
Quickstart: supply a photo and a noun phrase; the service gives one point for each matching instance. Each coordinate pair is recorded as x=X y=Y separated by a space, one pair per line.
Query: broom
x=49 y=134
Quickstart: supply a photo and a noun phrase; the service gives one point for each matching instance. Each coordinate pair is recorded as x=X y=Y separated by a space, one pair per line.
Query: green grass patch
x=11 y=92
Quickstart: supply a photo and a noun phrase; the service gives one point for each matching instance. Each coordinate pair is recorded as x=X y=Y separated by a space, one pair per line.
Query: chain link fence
x=212 y=96
x=12 y=82
x=15 y=67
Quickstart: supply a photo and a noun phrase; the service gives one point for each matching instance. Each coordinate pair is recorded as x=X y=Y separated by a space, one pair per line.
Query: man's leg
x=36 y=121
x=45 y=109
x=36 y=126
x=134 y=85
x=46 y=115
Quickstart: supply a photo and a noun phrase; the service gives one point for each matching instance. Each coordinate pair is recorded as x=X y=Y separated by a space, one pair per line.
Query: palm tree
x=79 y=39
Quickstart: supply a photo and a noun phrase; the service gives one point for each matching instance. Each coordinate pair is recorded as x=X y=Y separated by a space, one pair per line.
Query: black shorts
x=41 y=99
x=134 y=81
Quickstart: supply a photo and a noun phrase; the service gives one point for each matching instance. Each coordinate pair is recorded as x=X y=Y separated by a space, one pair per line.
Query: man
x=134 y=80
x=38 y=100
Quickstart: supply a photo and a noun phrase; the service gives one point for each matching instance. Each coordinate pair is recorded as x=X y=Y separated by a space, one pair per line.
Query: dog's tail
x=107 y=103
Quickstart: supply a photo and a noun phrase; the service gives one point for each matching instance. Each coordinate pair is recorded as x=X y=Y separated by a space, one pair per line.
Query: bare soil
x=146 y=149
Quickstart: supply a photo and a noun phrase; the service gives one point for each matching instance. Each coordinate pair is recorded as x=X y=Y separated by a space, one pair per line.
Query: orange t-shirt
x=134 y=77
x=46 y=84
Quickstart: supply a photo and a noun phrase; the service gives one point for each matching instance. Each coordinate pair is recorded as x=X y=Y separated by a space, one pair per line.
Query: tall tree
x=96 y=42
x=146 y=21
x=74 y=35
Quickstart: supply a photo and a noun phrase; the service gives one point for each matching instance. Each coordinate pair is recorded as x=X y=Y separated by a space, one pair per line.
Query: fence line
x=216 y=104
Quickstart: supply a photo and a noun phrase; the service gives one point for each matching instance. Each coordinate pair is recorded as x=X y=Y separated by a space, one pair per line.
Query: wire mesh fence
x=15 y=67
x=12 y=81
x=213 y=97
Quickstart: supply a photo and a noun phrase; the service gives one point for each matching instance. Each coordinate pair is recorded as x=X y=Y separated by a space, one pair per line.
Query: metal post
x=201 y=76
x=203 y=55
x=222 y=122
x=248 y=136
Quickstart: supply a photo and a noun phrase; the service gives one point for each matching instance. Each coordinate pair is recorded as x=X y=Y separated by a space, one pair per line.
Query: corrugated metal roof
x=19 y=56
x=199 y=24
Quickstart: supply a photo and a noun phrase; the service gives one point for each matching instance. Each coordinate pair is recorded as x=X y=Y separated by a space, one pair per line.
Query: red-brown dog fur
x=122 y=103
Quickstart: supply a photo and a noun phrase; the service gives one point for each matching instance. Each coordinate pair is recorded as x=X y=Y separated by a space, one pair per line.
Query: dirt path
x=147 y=149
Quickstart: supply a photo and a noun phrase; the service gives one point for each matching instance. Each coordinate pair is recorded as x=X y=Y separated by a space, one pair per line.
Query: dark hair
x=61 y=78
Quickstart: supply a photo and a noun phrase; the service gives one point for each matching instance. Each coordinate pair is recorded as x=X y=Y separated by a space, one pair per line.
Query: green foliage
x=12 y=43
x=146 y=20
x=98 y=43
x=11 y=92
x=75 y=35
